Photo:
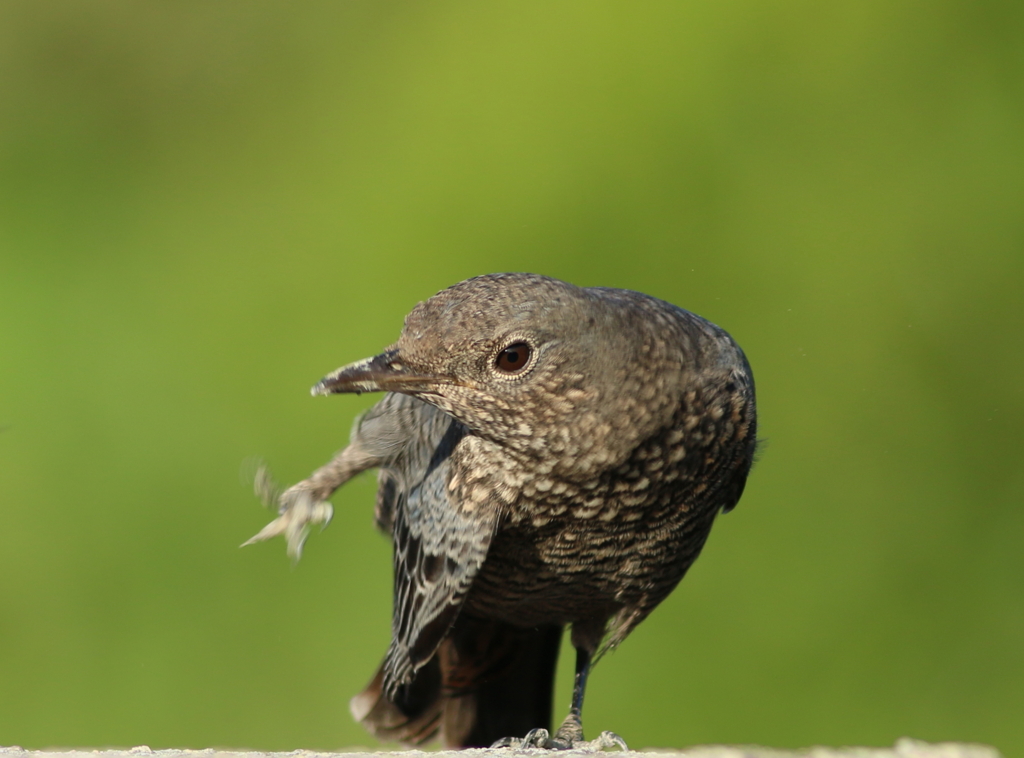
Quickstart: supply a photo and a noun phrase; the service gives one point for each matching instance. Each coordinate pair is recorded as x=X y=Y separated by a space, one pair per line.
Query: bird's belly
x=569 y=570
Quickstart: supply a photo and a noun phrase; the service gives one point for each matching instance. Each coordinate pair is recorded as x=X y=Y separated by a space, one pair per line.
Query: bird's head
x=545 y=369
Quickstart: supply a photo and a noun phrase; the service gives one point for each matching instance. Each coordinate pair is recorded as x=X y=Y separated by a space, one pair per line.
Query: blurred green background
x=205 y=207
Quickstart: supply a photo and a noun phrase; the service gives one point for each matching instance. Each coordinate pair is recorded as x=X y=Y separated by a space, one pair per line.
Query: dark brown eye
x=513 y=358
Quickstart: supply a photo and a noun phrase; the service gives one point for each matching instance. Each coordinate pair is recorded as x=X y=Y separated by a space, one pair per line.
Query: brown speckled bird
x=548 y=455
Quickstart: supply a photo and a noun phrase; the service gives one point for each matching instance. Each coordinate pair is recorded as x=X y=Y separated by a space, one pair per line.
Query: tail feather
x=488 y=680
x=413 y=719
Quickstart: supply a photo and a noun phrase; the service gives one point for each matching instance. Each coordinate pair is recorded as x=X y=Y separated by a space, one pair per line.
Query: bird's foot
x=536 y=738
x=299 y=507
x=562 y=740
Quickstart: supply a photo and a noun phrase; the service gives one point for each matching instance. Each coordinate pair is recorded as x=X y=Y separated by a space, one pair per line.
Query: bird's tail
x=488 y=680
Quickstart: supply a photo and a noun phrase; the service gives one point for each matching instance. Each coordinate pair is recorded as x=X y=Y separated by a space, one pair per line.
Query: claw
x=298 y=509
x=608 y=740
x=267 y=490
x=535 y=738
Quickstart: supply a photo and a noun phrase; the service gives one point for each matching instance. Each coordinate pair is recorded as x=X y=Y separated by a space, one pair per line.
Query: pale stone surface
x=905 y=748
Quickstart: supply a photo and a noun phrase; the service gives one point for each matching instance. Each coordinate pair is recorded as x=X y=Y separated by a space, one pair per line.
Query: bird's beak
x=382 y=373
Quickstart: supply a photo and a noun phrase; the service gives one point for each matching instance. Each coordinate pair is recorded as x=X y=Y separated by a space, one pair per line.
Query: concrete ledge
x=905 y=748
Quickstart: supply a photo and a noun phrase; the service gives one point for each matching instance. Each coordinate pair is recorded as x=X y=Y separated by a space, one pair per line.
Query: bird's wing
x=438 y=546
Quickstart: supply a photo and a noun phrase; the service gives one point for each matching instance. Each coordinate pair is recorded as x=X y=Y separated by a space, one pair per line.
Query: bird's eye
x=513 y=358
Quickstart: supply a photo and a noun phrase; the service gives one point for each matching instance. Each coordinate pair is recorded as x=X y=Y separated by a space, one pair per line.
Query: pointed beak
x=382 y=373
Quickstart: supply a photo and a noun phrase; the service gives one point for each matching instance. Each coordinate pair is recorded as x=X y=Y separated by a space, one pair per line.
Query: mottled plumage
x=548 y=455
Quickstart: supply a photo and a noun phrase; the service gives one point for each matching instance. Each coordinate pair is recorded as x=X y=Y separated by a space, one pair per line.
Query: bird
x=549 y=457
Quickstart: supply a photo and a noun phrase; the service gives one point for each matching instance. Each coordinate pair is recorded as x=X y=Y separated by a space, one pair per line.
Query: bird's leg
x=304 y=505
x=570 y=734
